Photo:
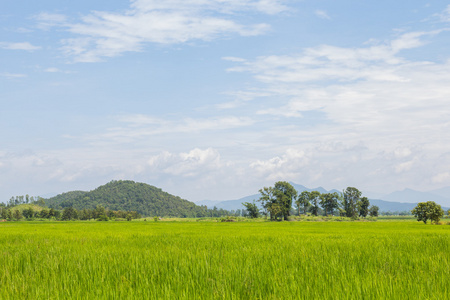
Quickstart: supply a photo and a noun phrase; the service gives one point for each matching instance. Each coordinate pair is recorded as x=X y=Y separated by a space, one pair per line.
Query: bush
x=102 y=218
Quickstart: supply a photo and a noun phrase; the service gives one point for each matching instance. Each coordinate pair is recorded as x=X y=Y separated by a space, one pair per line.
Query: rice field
x=242 y=260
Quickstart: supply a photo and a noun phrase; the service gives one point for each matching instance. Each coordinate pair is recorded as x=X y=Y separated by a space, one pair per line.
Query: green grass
x=206 y=260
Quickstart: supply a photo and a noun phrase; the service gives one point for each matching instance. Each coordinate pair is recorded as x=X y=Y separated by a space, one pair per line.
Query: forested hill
x=128 y=195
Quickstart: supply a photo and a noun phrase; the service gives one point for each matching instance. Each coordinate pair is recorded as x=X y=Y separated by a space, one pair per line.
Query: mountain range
x=404 y=200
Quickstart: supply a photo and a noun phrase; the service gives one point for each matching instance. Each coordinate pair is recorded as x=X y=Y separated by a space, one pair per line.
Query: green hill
x=55 y=202
x=128 y=195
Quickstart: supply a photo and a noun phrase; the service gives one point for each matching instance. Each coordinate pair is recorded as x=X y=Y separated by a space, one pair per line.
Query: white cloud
x=52 y=70
x=142 y=126
x=289 y=165
x=441 y=177
x=322 y=14
x=107 y=34
x=190 y=164
x=18 y=46
x=12 y=75
x=47 y=20
x=397 y=108
x=445 y=15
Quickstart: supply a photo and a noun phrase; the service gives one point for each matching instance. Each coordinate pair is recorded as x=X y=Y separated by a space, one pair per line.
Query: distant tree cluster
x=277 y=203
x=19 y=200
x=68 y=213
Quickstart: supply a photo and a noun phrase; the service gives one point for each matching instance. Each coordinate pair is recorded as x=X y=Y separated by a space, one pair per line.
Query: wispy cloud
x=322 y=14
x=19 y=46
x=12 y=75
x=138 y=127
x=107 y=34
x=46 y=21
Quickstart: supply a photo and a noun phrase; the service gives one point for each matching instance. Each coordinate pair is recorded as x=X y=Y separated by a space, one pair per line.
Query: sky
x=215 y=99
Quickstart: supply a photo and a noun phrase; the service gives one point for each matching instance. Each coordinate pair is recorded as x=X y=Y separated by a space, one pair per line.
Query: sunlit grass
x=240 y=260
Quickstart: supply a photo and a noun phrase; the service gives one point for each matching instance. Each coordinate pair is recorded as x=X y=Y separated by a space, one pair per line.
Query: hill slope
x=130 y=196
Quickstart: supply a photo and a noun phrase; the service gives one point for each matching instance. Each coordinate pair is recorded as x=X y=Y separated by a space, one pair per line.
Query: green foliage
x=17 y=215
x=373 y=211
x=28 y=213
x=351 y=197
x=266 y=199
x=303 y=201
x=102 y=218
x=69 y=213
x=329 y=202
x=314 y=198
x=285 y=194
x=252 y=209
x=363 y=207
x=429 y=210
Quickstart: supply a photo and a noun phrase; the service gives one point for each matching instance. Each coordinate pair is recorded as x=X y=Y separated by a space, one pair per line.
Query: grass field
x=243 y=260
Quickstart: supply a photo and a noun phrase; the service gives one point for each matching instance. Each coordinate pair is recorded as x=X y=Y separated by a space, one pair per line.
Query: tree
x=44 y=214
x=429 y=210
x=373 y=211
x=17 y=215
x=276 y=212
x=350 y=200
x=285 y=193
x=28 y=213
x=329 y=202
x=266 y=199
x=69 y=213
x=252 y=208
x=303 y=201
x=363 y=205
x=9 y=215
x=314 y=198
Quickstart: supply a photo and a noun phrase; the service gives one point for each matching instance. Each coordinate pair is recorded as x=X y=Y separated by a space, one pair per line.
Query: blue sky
x=216 y=99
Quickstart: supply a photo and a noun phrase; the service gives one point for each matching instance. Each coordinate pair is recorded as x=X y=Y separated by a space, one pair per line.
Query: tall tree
x=266 y=199
x=329 y=202
x=285 y=194
x=303 y=201
x=363 y=206
x=314 y=198
x=351 y=197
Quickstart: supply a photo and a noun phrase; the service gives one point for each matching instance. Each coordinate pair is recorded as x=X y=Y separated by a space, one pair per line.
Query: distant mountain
x=392 y=206
x=129 y=196
x=237 y=204
x=229 y=204
x=397 y=201
x=443 y=192
x=412 y=196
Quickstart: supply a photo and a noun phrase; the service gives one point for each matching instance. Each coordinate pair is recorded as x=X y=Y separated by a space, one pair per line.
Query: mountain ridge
x=384 y=202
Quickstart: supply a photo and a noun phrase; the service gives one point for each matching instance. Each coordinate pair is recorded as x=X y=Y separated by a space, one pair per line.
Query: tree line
x=69 y=213
x=277 y=202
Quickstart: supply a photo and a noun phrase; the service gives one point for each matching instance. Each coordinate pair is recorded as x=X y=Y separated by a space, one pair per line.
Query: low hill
x=128 y=195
